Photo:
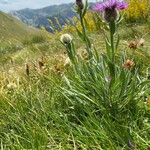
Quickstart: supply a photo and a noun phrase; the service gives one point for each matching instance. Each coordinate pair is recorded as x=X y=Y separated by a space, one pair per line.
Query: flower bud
x=80 y=4
x=66 y=39
x=111 y=14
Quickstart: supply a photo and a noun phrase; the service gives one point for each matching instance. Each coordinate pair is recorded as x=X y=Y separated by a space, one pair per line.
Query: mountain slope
x=39 y=17
x=12 y=28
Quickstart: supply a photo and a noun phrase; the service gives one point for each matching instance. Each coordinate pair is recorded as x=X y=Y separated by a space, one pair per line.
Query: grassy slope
x=11 y=28
x=51 y=49
x=29 y=117
x=16 y=38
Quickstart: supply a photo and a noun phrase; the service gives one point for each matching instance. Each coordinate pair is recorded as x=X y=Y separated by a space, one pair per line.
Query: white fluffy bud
x=66 y=38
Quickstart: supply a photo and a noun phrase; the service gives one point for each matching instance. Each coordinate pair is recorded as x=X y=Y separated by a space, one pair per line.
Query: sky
x=9 y=5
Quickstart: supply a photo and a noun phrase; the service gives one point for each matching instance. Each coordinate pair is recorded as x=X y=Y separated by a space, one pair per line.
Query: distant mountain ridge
x=39 y=17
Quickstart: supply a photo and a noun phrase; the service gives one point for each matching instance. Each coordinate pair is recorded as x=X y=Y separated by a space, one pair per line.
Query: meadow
x=86 y=87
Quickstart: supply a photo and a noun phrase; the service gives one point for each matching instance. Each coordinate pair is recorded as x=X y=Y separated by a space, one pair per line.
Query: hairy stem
x=86 y=40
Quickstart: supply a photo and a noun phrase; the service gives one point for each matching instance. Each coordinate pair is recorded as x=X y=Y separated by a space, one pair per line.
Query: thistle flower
x=110 y=9
x=136 y=43
x=128 y=64
x=133 y=45
x=66 y=39
x=79 y=4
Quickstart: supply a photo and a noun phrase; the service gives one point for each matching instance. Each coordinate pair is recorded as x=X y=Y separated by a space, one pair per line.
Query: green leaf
x=80 y=34
x=117 y=43
x=108 y=47
x=86 y=24
x=124 y=81
x=112 y=70
x=96 y=55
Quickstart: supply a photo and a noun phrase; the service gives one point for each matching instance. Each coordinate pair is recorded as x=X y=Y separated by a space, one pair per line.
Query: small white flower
x=66 y=38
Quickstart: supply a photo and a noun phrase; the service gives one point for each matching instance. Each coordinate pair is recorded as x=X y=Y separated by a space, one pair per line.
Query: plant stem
x=112 y=46
x=112 y=26
x=72 y=55
x=112 y=32
x=86 y=40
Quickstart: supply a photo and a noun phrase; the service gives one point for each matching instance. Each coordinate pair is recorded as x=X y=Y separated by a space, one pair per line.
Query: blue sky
x=8 y=5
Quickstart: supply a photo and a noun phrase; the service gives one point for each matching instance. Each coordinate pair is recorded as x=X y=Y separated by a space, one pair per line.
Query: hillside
x=33 y=107
x=15 y=37
x=86 y=87
x=12 y=28
x=39 y=17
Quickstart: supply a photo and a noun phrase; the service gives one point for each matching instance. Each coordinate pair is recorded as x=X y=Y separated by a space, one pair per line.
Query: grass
x=40 y=111
x=14 y=30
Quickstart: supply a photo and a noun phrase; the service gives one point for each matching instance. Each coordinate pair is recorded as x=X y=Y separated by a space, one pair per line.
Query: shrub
x=138 y=11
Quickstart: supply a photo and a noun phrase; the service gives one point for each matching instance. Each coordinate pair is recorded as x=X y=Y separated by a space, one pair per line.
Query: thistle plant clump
x=106 y=93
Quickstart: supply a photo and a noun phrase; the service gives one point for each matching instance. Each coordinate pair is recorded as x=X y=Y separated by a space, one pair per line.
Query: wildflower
x=128 y=64
x=79 y=4
x=66 y=39
x=136 y=43
x=110 y=9
x=133 y=44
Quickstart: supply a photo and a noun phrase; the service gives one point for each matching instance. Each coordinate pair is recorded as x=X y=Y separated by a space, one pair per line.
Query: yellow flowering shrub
x=90 y=24
x=138 y=10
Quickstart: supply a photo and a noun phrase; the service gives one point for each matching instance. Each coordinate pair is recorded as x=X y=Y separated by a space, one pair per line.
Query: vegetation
x=13 y=29
x=88 y=91
x=138 y=11
x=39 y=17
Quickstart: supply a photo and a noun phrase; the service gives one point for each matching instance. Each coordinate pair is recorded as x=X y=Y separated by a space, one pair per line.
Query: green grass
x=40 y=111
x=16 y=37
x=13 y=29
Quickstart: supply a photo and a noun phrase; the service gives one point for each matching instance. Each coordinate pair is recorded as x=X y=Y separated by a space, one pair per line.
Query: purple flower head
x=110 y=4
x=110 y=7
